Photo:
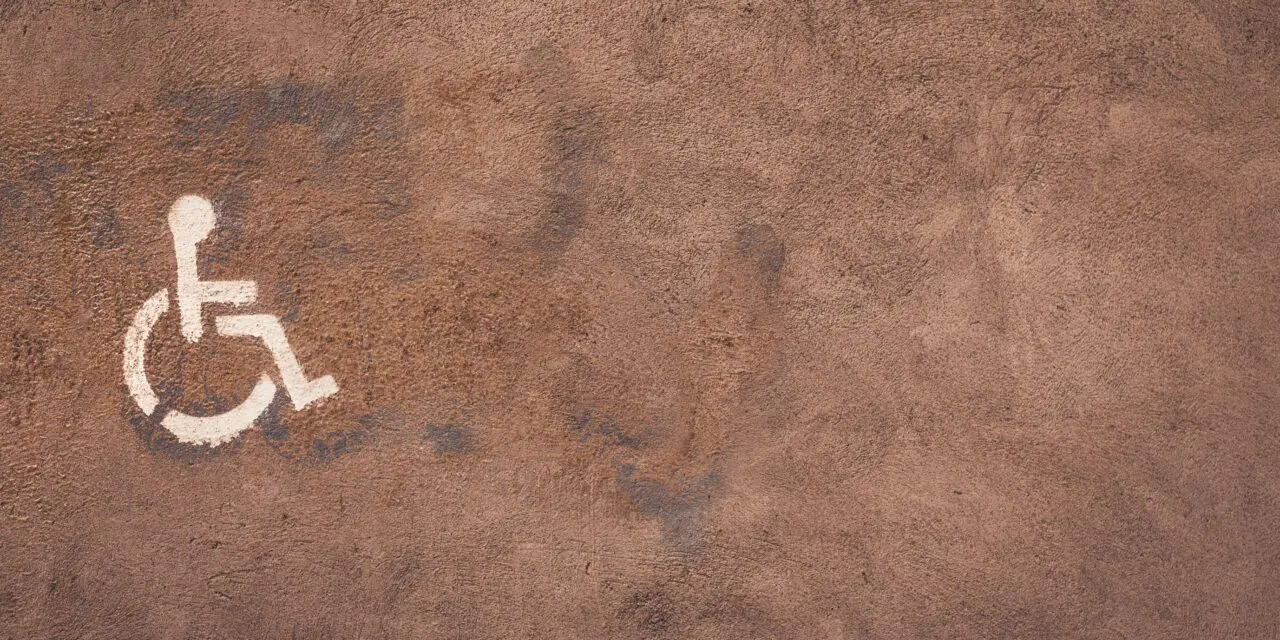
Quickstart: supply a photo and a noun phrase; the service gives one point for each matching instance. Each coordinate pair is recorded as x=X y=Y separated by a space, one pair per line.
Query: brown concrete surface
x=918 y=319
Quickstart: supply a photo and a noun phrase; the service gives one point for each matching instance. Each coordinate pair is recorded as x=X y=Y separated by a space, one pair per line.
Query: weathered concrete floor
x=732 y=320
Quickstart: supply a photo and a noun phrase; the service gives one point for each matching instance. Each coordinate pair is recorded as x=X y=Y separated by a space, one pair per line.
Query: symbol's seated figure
x=191 y=219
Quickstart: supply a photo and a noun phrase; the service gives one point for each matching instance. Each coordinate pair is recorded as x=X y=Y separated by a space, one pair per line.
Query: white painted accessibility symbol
x=191 y=219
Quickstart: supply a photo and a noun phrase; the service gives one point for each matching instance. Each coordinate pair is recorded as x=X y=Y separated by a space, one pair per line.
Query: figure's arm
x=235 y=292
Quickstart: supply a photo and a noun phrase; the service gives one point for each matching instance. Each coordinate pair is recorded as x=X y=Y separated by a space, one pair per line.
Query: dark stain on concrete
x=273 y=424
x=9 y=210
x=403 y=579
x=331 y=111
x=383 y=418
x=386 y=119
x=575 y=148
x=331 y=247
x=298 y=446
x=44 y=173
x=158 y=439
x=650 y=41
x=231 y=203
x=407 y=274
x=447 y=439
x=286 y=298
x=334 y=112
x=589 y=427
x=392 y=200
x=29 y=352
x=444 y=438
x=652 y=610
x=8 y=606
x=102 y=226
x=28 y=183
x=274 y=429
x=681 y=512
x=1246 y=29
x=11 y=201
x=332 y=446
x=761 y=246
x=206 y=111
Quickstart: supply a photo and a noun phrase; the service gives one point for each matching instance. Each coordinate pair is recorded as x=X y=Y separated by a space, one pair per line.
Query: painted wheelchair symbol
x=191 y=219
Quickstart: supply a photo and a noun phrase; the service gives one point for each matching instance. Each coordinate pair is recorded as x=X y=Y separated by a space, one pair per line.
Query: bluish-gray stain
x=228 y=236
x=681 y=513
x=589 y=427
x=334 y=116
x=274 y=429
x=272 y=423
x=27 y=187
x=653 y=609
x=29 y=351
x=760 y=244
x=332 y=111
x=444 y=438
x=323 y=448
x=205 y=110
x=449 y=438
x=575 y=149
x=407 y=274
x=383 y=419
x=386 y=119
x=331 y=247
x=288 y=294
x=335 y=445
x=12 y=201
x=45 y=171
x=392 y=199
x=10 y=207
x=103 y=228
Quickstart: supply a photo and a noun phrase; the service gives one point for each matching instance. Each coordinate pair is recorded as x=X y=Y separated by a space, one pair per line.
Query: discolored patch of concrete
x=680 y=511
x=449 y=438
x=589 y=427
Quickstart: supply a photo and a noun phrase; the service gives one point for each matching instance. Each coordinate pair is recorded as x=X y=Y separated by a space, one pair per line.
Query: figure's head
x=191 y=218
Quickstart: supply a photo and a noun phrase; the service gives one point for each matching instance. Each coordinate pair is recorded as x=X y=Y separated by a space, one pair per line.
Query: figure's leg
x=266 y=328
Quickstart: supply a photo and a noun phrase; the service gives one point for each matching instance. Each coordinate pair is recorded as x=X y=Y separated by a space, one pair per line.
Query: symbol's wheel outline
x=209 y=430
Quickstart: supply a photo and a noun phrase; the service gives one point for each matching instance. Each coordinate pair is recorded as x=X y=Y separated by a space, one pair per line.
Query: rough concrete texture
x=735 y=319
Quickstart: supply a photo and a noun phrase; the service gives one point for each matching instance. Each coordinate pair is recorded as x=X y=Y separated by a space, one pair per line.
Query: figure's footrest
x=322 y=387
x=266 y=328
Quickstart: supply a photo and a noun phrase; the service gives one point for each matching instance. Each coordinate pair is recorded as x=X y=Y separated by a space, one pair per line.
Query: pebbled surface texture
x=741 y=319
